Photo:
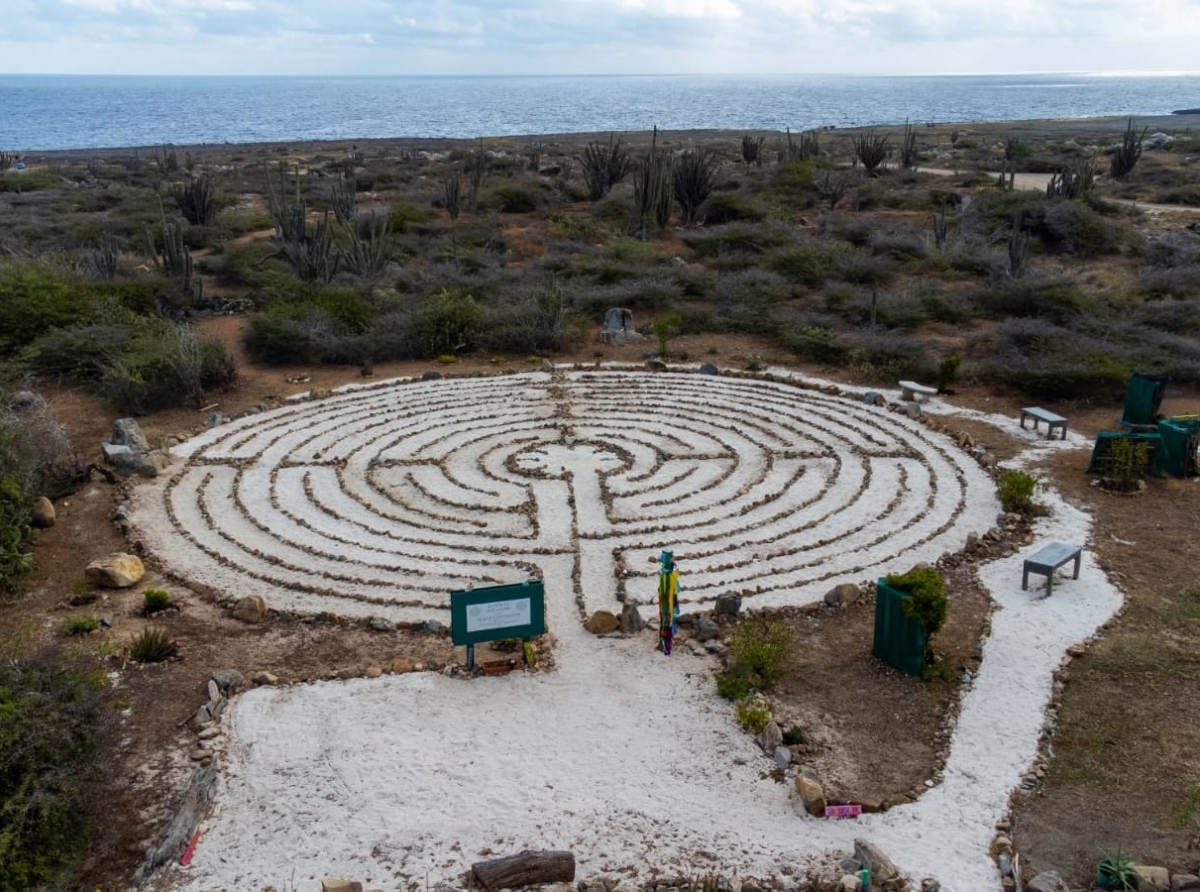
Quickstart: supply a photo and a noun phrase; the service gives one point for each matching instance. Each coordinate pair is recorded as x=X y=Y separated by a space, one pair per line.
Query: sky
x=497 y=37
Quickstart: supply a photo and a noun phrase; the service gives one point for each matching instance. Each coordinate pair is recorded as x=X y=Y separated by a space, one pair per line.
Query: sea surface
x=76 y=112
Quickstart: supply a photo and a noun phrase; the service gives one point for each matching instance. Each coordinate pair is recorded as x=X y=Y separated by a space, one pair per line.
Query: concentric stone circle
x=382 y=499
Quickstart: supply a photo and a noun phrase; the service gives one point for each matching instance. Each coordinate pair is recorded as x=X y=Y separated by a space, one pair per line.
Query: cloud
x=592 y=36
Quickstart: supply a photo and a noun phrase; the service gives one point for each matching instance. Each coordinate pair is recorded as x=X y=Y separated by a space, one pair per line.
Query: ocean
x=45 y=112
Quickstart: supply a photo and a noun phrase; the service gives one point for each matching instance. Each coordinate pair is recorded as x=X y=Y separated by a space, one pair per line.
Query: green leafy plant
x=1125 y=463
x=155 y=601
x=948 y=372
x=152 y=646
x=1015 y=490
x=664 y=328
x=15 y=530
x=794 y=735
x=759 y=651
x=753 y=714
x=1116 y=871
x=1184 y=813
x=81 y=624
x=926 y=602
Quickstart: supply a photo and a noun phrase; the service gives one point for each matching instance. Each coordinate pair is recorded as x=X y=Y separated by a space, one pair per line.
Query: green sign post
x=496 y=612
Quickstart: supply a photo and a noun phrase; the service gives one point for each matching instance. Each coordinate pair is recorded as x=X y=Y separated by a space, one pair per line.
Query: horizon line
x=1122 y=72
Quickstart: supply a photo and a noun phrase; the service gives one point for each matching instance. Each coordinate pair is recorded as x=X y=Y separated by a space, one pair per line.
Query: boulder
x=228 y=680
x=131 y=461
x=1184 y=882
x=44 y=515
x=843 y=594
x=115 y=571
x=631 y=620
x=1046 y=881
x=783 y=756
x=264 y=678
x=127 y=432
x=251 y=609
x=771 y=737
x=707 y=629
x=812 y=796
x=381 y=624
x=400 y=665
x=602 y=622
x=872 y=858
x=436 y=627
x=1158 y=878
x=709 y=369
x=728 y=604
x=329 y=884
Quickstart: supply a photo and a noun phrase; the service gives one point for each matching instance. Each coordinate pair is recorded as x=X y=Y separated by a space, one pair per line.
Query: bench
x=910 y=390
x=1052 y=421
x=1049 y=559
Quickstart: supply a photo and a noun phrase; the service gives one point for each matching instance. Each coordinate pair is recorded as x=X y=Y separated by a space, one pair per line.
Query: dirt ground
x=874 y=734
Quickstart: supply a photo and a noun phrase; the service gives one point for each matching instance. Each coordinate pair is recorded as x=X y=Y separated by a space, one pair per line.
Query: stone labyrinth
x=379 y=500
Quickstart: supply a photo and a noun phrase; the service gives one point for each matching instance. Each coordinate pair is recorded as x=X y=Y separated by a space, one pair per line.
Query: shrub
x=197 y=201
x=728 y=207
x=794 y=735
x=735 y=683
x=15 y=528
x=948 y=371
x=448 y=322
x=532 y=323
x=155 y=601
x=738 y=238
x=808 y=264
x=81 y=624
x=1015 y=490
x=816 y=343
x=152 y=646
x=760 y=649
x=753 y=714
x=510 y=198
x=56 y=724
x=926 y=602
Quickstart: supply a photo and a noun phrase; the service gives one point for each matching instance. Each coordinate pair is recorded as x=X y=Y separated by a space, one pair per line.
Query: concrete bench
x=910 y=390
x=1052 y=421
x=1049 y=559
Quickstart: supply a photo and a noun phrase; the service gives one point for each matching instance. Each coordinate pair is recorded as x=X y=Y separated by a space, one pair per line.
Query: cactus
x=366 y=256
x=832 y=189
x=197 y=201
x=652 y=191
x=104 y=258
x=1007 y=179
x=871 y=151
x=1125 y=158
x=940 y=227
x=166 y=159
x=752 y=149
x=344 y=198
x=809 y=146
x=1018 y=250
x=693 y=180
x=7 y=160
x=908 y=147
x=604 y=166
x=476 y=166
x=452 y=194
x=174 y=258
x=1073 y=181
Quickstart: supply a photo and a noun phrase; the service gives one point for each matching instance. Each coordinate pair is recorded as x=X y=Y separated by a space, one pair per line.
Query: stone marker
x=728 y=604
x=631 y=620
x=602 y=622
x=116 y=570
x=250 y=609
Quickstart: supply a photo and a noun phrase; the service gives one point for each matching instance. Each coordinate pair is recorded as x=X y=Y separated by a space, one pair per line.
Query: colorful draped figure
x=668 y=601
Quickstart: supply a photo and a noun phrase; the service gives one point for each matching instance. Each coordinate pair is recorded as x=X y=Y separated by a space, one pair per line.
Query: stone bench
x=911 y=390
x=1049 y=559
x=1037 y=413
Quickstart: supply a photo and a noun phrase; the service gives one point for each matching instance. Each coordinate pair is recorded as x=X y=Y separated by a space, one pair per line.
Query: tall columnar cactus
x=693 y=180
x=343 y=197
x=1073 y=181
x=752 y=149
x=173 y=257
x=908 y=147
x=197 y=200
x=652 y=190
x=1125 y=158
x=604 y=166
x=104 y=258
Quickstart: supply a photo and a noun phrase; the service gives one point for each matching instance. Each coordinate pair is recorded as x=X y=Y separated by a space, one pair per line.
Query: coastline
x=1033 y=128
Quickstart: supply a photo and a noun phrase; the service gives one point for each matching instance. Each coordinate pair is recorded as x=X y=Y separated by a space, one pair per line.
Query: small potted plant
x=1117 y=872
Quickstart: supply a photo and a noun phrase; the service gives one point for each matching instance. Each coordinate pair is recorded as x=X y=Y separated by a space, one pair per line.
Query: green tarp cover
x=1176 y=455
x=1104 y=444
x=1143 y=396
x=899 y=641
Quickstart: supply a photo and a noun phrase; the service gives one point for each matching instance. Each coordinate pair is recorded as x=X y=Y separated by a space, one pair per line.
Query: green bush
x=736 y=682
x=54 y=724
x=728 y=207
x=30 y=181
x=510 y=198
x=448 y=322
x=155 y=601
x=81 y=624
x=759 y=650
x=926 y=602
x=794 y=735
x=738 y=238
x=152 y=646
x=1015 y=490
x=816 y=343
x=808 y=265
x=753 y=714
x=16 y=515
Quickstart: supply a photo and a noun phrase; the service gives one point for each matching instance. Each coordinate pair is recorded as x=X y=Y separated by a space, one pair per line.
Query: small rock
x=382 y=624
x=849 y=883
x=771 y=737
x=200 y=754
x=631 y=620
x=602 y=622
x=329 y=884
x=1008 y=884
x=251 y=609
x=431 y=376
x=127 y=432
x=728 y=604
x=115 y=571
x=783 y=756
x=849 y=865
x=709 y=369
x=24 y=400
x=209 y=733
x=436 y=627
x=912 y=410
x=707 y=629
x=873 y=859
x=264 y=678
x=812 y=796
x=656 y=365
x=228 y=680
x=1046 y=881
x=844 y=594
x=401 y=665
x=1001 y=844
x=373 y=671
x=1184 y=882
x=44 y=515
